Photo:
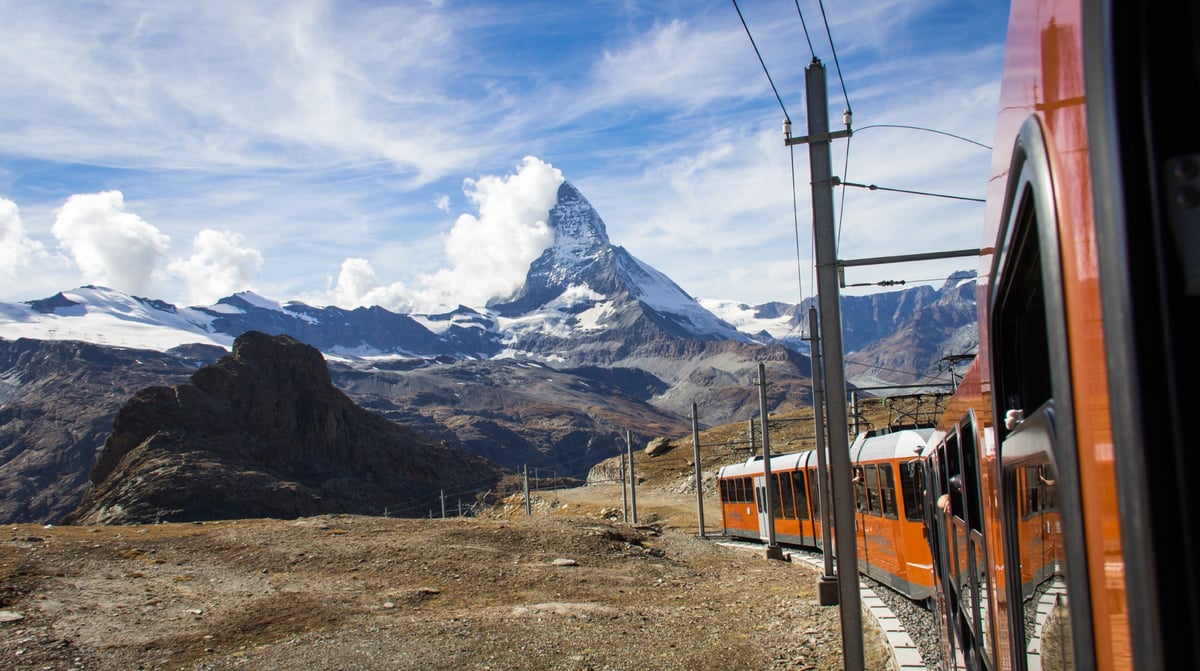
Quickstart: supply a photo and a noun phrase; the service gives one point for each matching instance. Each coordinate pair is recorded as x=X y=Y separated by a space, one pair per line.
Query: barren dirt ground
x=565 y=588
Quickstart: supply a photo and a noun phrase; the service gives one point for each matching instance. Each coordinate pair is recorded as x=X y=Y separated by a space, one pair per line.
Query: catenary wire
x=804 y=26
x=922 y=128
x=841 y=80
x=760 y=60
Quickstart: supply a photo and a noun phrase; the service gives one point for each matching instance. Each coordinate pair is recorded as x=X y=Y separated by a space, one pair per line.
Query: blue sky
x=402 y=153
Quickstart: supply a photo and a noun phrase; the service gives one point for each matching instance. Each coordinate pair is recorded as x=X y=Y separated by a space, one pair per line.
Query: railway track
x=911 y=629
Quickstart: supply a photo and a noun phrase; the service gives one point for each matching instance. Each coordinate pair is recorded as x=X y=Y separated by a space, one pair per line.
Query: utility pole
x=632 y=477
x=827 y=585
x=528 y=511
x=443 y=497
x=773 y=550
x=825 y=245
x=624 y=496
x=854 y=409
x=699 y=481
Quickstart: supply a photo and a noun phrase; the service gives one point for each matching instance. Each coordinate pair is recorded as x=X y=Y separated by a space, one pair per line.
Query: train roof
x=903 y=444
x=754 y=465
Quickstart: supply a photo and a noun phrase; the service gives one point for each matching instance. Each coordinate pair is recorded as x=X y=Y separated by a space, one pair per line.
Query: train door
x=1035 y=433
x=800 y=501
x=959 y=546
x=760 y=501
x=814 y=506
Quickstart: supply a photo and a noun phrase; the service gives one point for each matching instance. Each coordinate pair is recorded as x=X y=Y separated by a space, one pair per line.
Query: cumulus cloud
x=112 y=247
x=488 y=253
x=18 y=252
x=220 y=265
x=358 y=286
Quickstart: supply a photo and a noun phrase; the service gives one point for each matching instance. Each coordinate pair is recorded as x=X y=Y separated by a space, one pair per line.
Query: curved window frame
x=1030 y=201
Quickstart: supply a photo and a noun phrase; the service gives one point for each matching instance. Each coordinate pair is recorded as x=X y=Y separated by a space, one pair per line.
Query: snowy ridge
x=108 y=317
x=661 y=294
x=750 y=319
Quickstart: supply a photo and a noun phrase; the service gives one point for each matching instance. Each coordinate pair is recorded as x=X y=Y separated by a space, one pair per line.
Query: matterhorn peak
x=583 y=281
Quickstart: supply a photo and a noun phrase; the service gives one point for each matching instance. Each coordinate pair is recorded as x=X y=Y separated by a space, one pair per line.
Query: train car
x=890 y=520
x=892 y=546
x=743 y=499
x=1065 y=535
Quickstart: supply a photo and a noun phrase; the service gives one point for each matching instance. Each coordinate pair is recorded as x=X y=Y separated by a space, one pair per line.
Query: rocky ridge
x=263 y=433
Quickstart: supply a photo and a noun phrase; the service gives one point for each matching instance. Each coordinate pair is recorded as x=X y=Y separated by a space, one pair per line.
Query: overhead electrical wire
x=760 y=60
x=805 y=27
x=928 y=130
x=796 y=226
x=833 y=48
x=875 y=187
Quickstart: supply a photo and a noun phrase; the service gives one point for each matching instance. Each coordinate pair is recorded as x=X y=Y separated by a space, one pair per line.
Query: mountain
x=889 y=338
x=595 y=343
x=58 y=400
x=264 y=433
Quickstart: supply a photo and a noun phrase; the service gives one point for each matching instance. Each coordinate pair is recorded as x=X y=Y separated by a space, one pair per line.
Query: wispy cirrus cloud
x=320 y=132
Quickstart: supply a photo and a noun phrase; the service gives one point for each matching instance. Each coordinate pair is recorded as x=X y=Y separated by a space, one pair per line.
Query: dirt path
x=562 y=589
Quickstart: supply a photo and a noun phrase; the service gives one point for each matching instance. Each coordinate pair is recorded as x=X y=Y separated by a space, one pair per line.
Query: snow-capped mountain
x=595 y=342
x=584 y=302
x=584 y=284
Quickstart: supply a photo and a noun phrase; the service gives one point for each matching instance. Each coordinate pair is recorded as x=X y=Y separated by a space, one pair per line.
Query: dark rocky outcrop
x=264 y=433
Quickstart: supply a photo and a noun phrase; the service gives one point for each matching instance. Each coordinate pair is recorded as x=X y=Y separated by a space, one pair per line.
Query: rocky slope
x=264 y=433
x=57 y=404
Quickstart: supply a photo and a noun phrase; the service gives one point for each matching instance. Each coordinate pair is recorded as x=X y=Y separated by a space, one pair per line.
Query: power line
x=805 y=27
x=842 y=205
x=760 y=60
x=796 y=226
x=873 y=187
x=836 y=64
x=928 y=130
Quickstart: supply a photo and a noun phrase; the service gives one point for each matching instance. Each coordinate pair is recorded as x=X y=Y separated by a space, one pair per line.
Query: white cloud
x=220 y=265
x=348 y=125
x=676 y=63
x=18 y=252
x=489 y=254
x=112 y=247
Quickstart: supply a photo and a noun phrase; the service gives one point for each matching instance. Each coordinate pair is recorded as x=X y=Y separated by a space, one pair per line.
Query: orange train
x=1070 y=532
x=888 y=476
x=1066 y=457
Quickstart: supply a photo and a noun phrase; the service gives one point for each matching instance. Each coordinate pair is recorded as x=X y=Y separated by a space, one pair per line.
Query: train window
x=887 y=491
x=787 y=507
x=1032 y=399
x=724 y=493
x=1022 y=353
x=747 y=490
x=872 y=481
x=1031 y=502
x=801 y=494
x=860 y=489
x=814 y=486
x=910 y=491
x=971 y=485
x=954 y=481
